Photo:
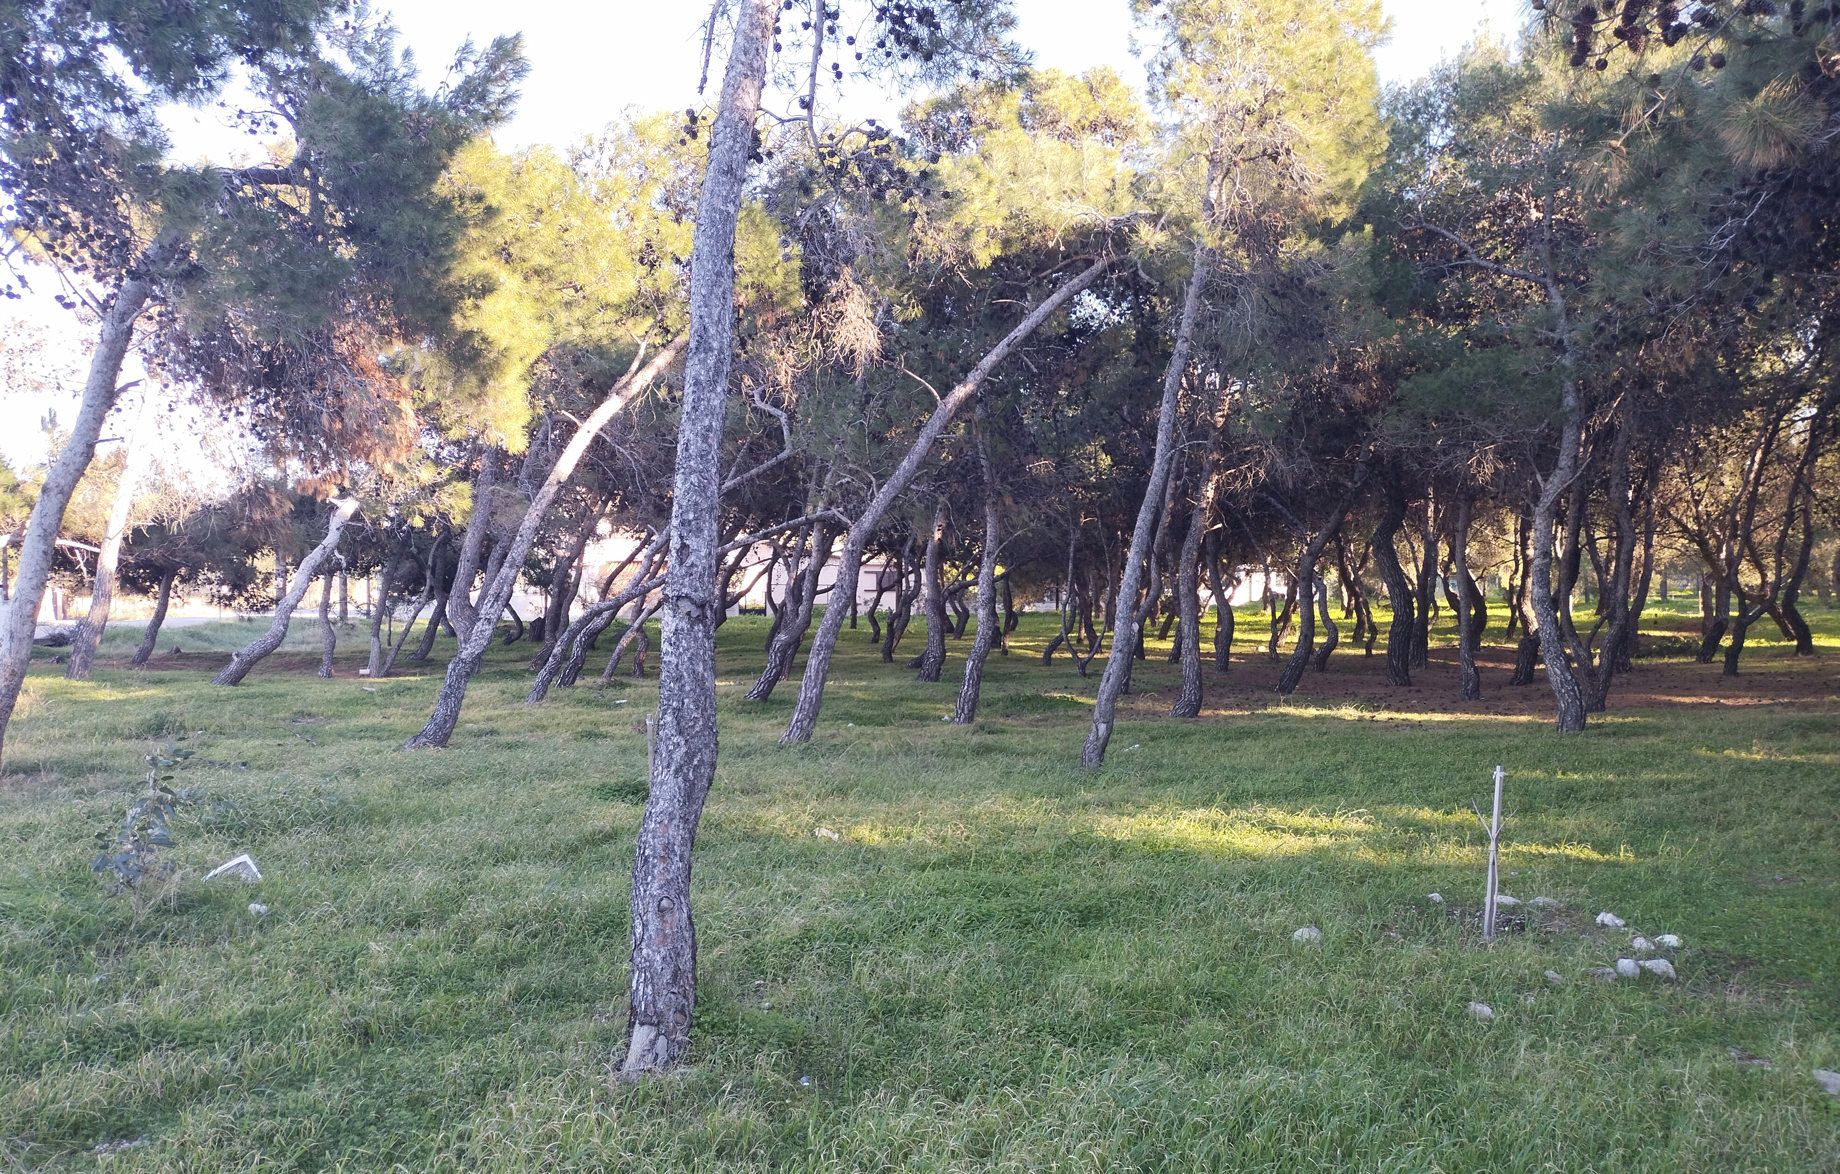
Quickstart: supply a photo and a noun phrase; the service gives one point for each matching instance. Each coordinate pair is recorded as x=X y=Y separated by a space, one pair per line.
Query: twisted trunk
x=258 y=649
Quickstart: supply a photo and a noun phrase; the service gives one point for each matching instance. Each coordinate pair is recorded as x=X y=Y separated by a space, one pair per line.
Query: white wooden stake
x=1494 y=884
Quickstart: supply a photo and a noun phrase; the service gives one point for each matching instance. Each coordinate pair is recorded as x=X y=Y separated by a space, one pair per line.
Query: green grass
x=1004 y=962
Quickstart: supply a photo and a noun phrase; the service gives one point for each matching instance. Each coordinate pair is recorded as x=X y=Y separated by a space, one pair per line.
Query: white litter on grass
x=242 y=867
x=1482 y=1012
x=1828 y=1080
x=1435 y=898
x=1610 y=921
x=620 y=700
x=258 y=909
x=1660 y=968
x=1669 y=941
x=1309 y=935
x=826 y=834
x=1640 y=943
x=1628 y=967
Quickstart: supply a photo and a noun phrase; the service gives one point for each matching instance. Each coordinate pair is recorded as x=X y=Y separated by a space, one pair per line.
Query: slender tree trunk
x=380 y=606
x=988 y=623
x=402 y=637
x=88 y=634
x=797 y=621
x=1468 y=632
x=1398 y=591
x=1065 y=601
x=662 y=992
x=1332 y=635
x=1568 y=700
x=38 y=546
x=436 y=619
x=258 y=649
x=1426 y=585
x=1188 y=581
x=1118 y=665
x=1223 y=611
x=328 y=637
x=818 y=661
x=932 y=661
x=459 y=608
x=151 y=636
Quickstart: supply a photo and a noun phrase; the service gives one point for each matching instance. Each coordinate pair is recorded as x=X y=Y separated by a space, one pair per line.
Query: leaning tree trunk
x=328 y=637
x=1426 y=586
x=380 y=606
x=1223 y=610
x=1305 y=589
x=1124 y=639
x=662 y=992
x=437 y=619
x=1188 y=593
x=1332 y=635
x=88 y=636
x=151 y=636
x=1467 y=603
x=510 y=555
x=402 y=637
x=38 y=547
x=932 y=661
x=818 y=660
x=795 y=622
x=256 y=650
x=1568 y=700
x=459 y=600
x=1398 y=591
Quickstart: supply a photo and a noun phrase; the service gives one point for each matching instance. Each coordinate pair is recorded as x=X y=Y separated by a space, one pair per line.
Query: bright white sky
x=590 y=62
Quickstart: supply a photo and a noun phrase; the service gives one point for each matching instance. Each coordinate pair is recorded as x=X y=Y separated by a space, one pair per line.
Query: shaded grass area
x=1002 y=961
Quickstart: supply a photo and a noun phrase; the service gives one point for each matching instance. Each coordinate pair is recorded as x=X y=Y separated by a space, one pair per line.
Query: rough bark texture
x=459 y=610
x=38 y=546
x=1468 y=630
x=818 y=661
x=932 y=661
x=150 y=637
x=1568 y=700
x=796 y=621
x=380 y=606
x=328 y=638
x=256 y=650
x=987 y=622
x=1124 y=640
x=662 y=993
x=1332 y=635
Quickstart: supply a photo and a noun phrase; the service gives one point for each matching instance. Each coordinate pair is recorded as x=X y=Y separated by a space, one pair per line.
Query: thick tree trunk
x=1568 y=700
x=328 y=637
x=818 y=661
x=1124 y=640
x=459 y=599
x=38 y=546
x=258 y=649
x=1398 y=591
x=150 y=637
x=662 y=992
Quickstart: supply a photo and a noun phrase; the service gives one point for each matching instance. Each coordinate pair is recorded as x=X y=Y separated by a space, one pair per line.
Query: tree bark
x=511 y=553
x=380 y=606
x=662 y=991
x=1398 y=591
x=987 y=622
x=38 y=546
x=460 y=610
x=1124 y=639
x=1468 y=631
x=1188 y=585
x=150 y=638
x=932 y=661
x=88 y=634
x=258 y=649
x=797 y=620
x=818 y=661
x=328 y=637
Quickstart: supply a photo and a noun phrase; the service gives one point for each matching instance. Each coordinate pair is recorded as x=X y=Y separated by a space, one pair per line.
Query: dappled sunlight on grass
x=1254 y=832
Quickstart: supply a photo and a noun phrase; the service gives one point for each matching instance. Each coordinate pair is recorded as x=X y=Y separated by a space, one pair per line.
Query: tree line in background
x=1519 y=341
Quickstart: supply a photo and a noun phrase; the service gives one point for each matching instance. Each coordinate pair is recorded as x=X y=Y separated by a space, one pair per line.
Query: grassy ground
x=1001 y=961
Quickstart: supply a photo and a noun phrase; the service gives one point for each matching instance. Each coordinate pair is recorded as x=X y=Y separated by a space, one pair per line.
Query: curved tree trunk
x=380 y=606
x=150 y=637
x=796 y=620
x=1124 y=640
x=258 y=649
x=818 y=661
x=88 y=634
x=1332 y=635
x=436 y=620
x=38 y=546
x=1568 y=700
x=402 y=637
x=1223 y=610
x=459 y=600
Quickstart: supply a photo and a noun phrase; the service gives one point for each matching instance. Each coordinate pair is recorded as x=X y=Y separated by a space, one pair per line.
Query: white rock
x=1628 y=967
x=258 y=909
x=1610 y=921
x=1669 y=941
x=826 y=834
x=1554 y=978
x=1604 y=973
x=620 y=700
x=1482 y=1012
x=1435 y=898
x=1828 y=1080
x=241 y=867
x=1503 y=901
x=1309 y=935
x=1660 y=968
x=804 y=1081
x=1543 y=903
x=1640 y=943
